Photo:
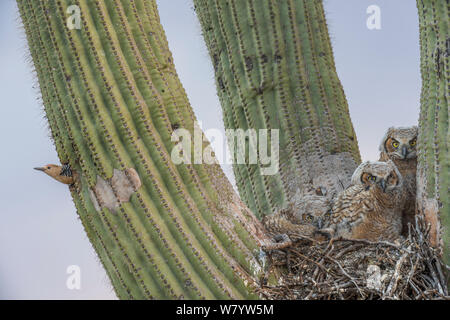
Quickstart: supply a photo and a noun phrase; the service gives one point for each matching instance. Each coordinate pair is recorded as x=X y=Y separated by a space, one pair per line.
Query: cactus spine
x=112 y=98
x=275 y=69
x=433 y=161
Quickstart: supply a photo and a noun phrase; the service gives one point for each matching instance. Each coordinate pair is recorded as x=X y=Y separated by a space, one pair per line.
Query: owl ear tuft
x=382 y=147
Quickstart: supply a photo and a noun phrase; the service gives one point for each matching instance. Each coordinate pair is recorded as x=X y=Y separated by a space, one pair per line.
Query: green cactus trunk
x=433 y=179
x=113 y=98
x=275 y=69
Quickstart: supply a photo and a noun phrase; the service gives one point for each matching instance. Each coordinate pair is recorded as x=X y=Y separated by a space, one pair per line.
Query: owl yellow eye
x=395 y=144
x=372 y=178
x=413 y=143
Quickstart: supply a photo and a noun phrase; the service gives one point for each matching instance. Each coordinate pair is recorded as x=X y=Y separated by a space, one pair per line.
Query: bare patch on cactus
x=111 y=193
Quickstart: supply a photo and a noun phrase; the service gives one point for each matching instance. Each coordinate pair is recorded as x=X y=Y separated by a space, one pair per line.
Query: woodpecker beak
x=39 y=169
x=404 y=152
x=383 y=185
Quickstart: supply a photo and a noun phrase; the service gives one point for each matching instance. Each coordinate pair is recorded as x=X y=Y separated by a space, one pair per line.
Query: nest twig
x=356 y=269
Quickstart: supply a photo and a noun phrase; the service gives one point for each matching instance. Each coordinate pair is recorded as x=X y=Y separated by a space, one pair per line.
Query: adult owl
x=371 y=207
x=400 y=145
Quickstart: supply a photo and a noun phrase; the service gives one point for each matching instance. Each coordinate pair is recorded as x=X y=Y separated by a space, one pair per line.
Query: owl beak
x=383 y=185
x=404 y=152
x=319 y=223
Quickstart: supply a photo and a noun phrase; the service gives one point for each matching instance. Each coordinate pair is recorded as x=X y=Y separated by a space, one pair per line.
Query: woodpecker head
x=61 y=173
x=52 y=170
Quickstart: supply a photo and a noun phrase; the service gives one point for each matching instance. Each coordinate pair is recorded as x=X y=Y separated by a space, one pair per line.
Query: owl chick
x=371 y=207
x=288 y=222
x=399 y=145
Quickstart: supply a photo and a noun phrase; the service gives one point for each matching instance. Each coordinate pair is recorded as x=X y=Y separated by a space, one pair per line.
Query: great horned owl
x=371 y=208
x=291 y=222
x=399 y=145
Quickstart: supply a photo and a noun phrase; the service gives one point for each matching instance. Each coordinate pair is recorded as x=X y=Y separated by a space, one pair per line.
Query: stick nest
x=356 y=269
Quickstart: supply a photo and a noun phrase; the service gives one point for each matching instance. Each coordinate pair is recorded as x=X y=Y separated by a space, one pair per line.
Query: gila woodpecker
x=63 y=174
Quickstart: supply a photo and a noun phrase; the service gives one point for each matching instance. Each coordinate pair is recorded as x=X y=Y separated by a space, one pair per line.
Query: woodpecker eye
x=395 y=144
x=49 y=168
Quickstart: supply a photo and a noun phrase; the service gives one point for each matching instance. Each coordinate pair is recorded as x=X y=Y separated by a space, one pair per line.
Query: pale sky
x=40 y=234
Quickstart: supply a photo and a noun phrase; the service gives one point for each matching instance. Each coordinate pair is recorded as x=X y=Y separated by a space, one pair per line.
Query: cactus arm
x=112 y=98
x=274 y=69
x=433 y=159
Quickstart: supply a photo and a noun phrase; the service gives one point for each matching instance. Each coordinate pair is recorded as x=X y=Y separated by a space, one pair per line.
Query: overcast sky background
x=40 y=235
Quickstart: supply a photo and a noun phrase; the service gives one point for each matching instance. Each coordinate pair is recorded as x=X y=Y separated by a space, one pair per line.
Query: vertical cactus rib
x=120 y=244
x=112 y=97
x=251 y=51
x=124 y=284
x=129 y=84
x=275 y=70
x=237 y=68
x=433 y=159
x=202 y=178
x=190 y=209
x=324 y=134
x=230 y=118
x=60 y=131
x=307 y=118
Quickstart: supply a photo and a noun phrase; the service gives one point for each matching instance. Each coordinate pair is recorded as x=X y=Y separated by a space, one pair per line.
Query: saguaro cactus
x=433 y=179
x=113 y=99
x=275 y=69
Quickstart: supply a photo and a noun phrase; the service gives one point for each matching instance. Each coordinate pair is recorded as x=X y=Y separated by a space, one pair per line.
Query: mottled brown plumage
x=290 y=222
x=371 y=208
x=399 y=145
